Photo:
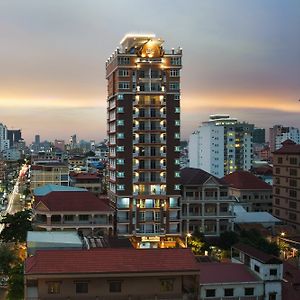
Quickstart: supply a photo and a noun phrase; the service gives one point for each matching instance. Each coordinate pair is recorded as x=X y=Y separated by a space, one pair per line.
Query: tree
x=227 y=239
x=16 y=283
x=8 y=257
x=16 y=227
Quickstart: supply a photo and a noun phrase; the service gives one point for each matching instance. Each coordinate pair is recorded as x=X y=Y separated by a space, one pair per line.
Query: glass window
x=82 y=287
x=120 y=97
x=115 y=286
x=177 y=110
x=120 y=187
x=120 y=174
x=54 y=287
x=249 y=291
x=167 y=285
x=120 y=161
x=120 y=135
x=228 y=292
x=120 y=109
x=120 y=122
x=123 y=73
x=210 y=293
x=177 y=97
x=124 y=85
x=120 y=148
x=273 y=272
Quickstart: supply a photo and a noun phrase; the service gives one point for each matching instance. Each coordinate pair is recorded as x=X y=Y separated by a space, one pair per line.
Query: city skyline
x=240 y=58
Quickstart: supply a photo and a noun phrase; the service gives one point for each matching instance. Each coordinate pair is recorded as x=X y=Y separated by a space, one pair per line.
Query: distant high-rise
x=144 y=139
x=221 y=146
x=37 y=139
x=4 y=142
x=14 y=136
x=279 y=134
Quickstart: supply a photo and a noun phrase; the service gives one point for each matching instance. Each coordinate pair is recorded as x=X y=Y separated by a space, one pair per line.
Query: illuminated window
x=54 y=287
x=167 y=285
x=120 y=109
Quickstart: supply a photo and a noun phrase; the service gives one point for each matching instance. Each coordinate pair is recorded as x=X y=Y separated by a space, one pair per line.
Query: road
x=14 y=204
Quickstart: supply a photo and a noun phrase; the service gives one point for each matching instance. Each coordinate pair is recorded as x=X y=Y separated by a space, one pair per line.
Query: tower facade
x=143 y=106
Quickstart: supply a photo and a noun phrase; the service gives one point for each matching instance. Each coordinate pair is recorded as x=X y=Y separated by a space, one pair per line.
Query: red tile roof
x=193 y=176
x=72 y=201
x=214 y=272
x=288 y=147
x=104 y=260
x=244 y=180
x=85 y=176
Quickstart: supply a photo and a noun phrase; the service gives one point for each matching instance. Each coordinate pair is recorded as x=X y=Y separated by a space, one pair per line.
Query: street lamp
x=188 y=235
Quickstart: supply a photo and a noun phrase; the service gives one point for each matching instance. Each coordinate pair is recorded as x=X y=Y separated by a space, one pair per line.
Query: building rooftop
x=48 y=188
x=193 y=176
x=257 y=254
x=81 y=175
x=65 y=237
x=244 y=180
x=288 y=147
x=224 y=273
x=104 y=260
x=72 y=202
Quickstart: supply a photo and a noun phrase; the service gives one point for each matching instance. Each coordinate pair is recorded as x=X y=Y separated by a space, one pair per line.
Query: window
x=293 y=172
x=228 y=292
x=177 y=174
x=293 y=204
x=177 y=110
x=177 y=97
x=293 y=193
x=174 y=73
x=82 y=287
x=83 y=217
x=176 y=61
x=277 y=170
x=210 y=293
x=277 y=201
x=54 y=287
x=120 y=109
x=120 y=123
x=123 y=60
x=120 y=187
x=249 y=291
x=292 y=216
x=167 y=285
x=115 y=286
x=293 y=182
x=174 y=86
x=177 y=122
x=120 y=97
x=120 y=161
x=177 y=162
x=68 y=217
x=256 y=268
x=123 y=73
x=177 y=148
x=177 y=187
x=120 y=174
x=120 y=135
x=279 y=160
x=124 y=85
x=293 y=160
x=120 y=148
x=277 y=191
x=177 y=135
x=273 y=272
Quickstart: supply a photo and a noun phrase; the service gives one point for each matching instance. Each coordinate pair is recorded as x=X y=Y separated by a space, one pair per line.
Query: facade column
x=218 y=226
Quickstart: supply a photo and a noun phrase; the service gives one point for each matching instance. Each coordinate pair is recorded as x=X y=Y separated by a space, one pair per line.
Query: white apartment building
x=4 y=142
x=221 y=146
x=280 y=133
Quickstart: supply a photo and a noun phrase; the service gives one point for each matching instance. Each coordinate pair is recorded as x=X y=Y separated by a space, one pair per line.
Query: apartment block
x=143 y=106
x=286 y=183
x=280 y=133
x=221 y=146
x=205 y=203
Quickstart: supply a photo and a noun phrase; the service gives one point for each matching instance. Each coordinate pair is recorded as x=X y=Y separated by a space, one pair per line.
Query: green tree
x=227 y=239
x=16 y=227
x=16 y=283
x=8 y=257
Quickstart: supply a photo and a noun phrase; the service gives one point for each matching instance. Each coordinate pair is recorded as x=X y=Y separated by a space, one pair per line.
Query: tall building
x=286 y=183
x=4 y=142
x=279 y=134
x=221 y=146
x=60 y=144
x=144 y=140
x=14 y=136
x=259 y=135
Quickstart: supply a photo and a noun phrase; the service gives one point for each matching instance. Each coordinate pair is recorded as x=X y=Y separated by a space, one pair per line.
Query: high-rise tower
x=144 y=139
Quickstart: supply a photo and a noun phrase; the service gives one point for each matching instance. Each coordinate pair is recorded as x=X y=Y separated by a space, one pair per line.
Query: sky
x=239 y=57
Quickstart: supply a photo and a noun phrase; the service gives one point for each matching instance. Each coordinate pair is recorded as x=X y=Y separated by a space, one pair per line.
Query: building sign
x=150 y=238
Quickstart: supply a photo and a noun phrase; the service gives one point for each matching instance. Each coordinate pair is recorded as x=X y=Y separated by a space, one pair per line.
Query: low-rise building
x=205 y=203
x=73 y=210
x=265 y=266
x=112 y=274
x=48 y=172
x=250 y=191
x=90 y=181
x=229 y=281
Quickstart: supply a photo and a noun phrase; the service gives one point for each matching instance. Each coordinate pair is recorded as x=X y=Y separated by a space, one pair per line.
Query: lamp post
x=186 y=239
